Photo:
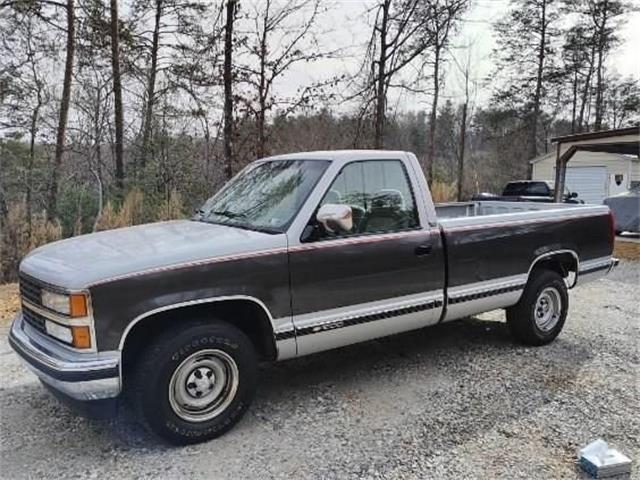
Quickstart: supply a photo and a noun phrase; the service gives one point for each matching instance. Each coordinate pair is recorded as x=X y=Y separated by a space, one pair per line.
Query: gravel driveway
x=455 y=401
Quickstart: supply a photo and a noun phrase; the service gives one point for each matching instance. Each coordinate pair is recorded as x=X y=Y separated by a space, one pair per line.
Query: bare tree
x=604 y=15
x=578 y=67
x=469 y=85
x=150 y=92
x=64 y=108
x=282 y=36
x=228 y=87
x=117 y=95
x=442 y=18
x=525 y=61
x=24 y=89
x=397 y=39
x=622 y=101
x=170 y=20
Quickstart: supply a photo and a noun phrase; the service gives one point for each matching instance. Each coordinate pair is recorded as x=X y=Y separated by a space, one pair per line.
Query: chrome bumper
x=80 y=376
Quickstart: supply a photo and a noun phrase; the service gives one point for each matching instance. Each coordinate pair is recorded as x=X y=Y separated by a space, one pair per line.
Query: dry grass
x=130 y=213
x=17 y=239
x=9 y=302
x=443 y=192
x=134 y=211
x=171 y=209
x=627 y=250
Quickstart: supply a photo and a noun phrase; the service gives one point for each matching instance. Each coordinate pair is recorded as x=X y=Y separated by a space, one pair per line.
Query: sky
x=347 y=22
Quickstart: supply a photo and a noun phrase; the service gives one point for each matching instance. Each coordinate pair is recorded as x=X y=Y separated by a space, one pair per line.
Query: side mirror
x=335 y=218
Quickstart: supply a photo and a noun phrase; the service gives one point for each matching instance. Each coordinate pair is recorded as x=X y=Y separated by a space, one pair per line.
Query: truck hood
x=79 y=262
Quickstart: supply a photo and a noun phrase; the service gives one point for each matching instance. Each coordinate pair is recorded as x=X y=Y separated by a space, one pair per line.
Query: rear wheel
x=194 y=385
x=539 y=316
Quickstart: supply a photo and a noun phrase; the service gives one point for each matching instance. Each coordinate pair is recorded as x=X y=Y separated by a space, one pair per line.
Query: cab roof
x=341 y=155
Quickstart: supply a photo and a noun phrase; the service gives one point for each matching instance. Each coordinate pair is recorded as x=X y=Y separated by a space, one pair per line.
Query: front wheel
x=194 y=385
x=539 y=316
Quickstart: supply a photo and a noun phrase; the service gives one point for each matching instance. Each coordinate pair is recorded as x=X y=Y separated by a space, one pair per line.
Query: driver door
x=384 y=276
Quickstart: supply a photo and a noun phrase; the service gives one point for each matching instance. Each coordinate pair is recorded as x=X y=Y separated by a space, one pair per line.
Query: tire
x=539 y=316
x=193 y=385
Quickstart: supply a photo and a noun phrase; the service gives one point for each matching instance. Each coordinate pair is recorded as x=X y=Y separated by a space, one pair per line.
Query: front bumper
x=74 y=376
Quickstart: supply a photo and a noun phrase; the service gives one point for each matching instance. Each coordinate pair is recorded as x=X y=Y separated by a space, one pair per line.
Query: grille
x=34 y=319
x=30 y=290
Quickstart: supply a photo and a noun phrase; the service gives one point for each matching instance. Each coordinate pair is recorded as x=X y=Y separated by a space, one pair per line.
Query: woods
x=113 y=113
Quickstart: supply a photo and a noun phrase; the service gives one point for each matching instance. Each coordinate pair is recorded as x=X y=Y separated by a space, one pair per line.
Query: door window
x=379 y=195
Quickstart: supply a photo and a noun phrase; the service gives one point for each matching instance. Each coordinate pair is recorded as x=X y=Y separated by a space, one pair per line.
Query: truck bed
x=494 y=243
x=456 y=215
x=483 y=208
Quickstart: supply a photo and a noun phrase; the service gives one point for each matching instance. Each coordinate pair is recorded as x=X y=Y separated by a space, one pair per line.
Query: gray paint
x=86 y=260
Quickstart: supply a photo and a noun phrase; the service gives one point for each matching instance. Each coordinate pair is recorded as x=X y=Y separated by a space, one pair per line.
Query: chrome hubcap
x=203 y=385
x=547 y=309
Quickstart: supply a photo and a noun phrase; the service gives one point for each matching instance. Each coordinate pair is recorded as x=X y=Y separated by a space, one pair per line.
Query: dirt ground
x=627 y=249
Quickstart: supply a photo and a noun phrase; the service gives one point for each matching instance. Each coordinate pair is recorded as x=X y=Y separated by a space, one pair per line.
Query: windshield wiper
x=228 y=214
x=206 y=217
x=255 y=228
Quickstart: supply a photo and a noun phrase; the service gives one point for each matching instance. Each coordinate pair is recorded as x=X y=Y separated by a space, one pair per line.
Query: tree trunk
x=599 y=80
x=228 y=88
x=463 y=137
x=533 y=125
x=574 y=101
x=117 y=96
x=97 y=146
x=64 y=110
x=262 y=140
x=33 y=132
x=434 y=111
x=585 y=91
x=262 y=94
x=96 y=221
x=381 y=99
x=151 y=87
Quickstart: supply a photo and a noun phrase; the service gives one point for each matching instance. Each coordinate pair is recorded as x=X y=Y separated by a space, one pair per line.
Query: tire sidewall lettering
x=199 y=343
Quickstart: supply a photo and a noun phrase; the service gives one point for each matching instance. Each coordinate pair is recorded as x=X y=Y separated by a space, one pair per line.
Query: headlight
x=79 y=337
x=59 y=331
x=74 y=305
x=56 y=302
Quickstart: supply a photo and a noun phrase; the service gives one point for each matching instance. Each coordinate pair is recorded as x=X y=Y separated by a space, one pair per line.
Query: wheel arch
x=563 y=262
x=249 y=314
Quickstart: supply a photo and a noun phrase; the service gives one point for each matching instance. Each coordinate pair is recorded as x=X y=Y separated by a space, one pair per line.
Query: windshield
x=265 y=197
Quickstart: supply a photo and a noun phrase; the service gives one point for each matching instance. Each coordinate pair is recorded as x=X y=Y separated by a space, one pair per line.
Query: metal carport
x=621 y=140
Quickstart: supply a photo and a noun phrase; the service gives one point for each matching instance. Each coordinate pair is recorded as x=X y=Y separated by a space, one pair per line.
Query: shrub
x=131 y=212
x=171 y=208
x=138 y=208
x=19 y=236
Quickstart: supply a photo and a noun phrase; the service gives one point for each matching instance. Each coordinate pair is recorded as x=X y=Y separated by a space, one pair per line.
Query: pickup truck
x=529 y=191
x=297 y=254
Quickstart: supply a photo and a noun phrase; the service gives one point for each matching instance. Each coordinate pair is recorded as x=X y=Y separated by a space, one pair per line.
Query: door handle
x=423 y=249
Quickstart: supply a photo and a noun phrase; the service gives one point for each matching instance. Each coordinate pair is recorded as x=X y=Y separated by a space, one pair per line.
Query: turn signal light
x=78 y=305
x=81 y=337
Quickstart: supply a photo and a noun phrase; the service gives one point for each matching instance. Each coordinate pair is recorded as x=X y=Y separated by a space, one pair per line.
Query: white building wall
x=629 y=167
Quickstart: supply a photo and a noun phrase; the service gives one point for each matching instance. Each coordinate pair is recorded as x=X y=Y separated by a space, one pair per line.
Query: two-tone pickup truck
x=298 y=254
